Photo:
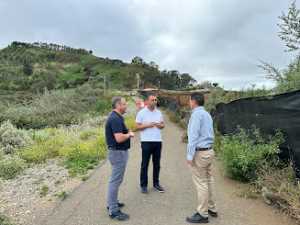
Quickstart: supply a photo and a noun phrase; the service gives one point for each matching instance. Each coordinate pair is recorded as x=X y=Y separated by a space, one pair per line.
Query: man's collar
x=150 y=109
x=198 y=108
x=119 y=114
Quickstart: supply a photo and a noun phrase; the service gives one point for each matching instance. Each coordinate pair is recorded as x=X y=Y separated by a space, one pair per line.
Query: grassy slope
x=60 y=69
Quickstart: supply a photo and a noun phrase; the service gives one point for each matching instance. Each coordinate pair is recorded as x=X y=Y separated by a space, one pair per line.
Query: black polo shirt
x=115 y=124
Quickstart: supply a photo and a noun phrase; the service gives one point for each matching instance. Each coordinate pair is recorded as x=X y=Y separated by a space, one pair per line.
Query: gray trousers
x=118 y=161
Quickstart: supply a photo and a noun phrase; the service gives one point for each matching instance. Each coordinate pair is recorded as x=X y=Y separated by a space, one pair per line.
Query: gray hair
x=115 y=100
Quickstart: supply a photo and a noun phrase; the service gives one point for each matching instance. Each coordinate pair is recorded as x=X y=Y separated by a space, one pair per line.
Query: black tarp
x=268 y=114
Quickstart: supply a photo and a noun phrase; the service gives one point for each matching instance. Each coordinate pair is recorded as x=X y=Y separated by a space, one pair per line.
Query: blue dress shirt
x=200 y=131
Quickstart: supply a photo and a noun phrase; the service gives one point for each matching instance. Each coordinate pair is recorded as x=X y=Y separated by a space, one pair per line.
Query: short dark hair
x=115 y=100
x=198 y=98
x=150 y=94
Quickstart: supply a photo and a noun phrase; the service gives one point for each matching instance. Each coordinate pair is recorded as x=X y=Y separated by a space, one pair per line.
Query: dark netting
x=268 y=114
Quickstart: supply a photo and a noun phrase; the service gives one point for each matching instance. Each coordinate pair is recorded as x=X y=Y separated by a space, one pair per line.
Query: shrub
x=243 y=153
x=53 y=108
x=82 y=156
x=130 y=123
x=46 y=146
x=12 y=138
x=11 y=167
x=282 y=187
x=103 y=105
x=81 y=147
x=49 y=109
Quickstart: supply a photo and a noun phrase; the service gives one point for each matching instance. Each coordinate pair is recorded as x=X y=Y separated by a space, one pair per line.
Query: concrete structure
x=180 y=97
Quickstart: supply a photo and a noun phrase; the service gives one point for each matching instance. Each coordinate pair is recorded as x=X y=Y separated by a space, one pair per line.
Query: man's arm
x=117 y=130
x=139 y=122
x=120 y=137
x=143 y=126
x=193 y=136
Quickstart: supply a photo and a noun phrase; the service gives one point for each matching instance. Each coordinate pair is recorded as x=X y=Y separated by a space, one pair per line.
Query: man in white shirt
x=149 y=121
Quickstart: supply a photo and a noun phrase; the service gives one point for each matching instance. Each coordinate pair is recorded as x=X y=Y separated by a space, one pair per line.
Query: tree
x=186 y=80
x=215 y=84
x=287 y=79
x=290 y=28
x=42 y=80
x=272 y=73
x=137 y=60
x=153 y=65
x=27 y=68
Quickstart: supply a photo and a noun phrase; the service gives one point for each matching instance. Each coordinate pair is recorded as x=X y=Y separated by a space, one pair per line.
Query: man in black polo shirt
x=118 y=142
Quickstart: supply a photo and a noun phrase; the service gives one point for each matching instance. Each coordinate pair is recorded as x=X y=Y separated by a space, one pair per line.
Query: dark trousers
x=150 y=149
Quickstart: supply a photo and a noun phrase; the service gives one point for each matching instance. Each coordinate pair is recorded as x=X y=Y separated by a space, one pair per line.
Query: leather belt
x=203 y=149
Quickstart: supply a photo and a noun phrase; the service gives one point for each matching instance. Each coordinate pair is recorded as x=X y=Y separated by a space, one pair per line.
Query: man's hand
x=190 y=162
x=160 y=125
x=131 y=134
x=151 y=125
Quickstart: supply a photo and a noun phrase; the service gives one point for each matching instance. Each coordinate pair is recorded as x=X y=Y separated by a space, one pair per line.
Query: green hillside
x=34 y=67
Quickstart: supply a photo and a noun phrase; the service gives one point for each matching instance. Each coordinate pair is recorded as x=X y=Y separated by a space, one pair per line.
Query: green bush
x=12 y=138
x=43 y=150
x=130 y=123
x=82 y=156
x=81 y=147
x=60 y=107
x=11 y=167
x=103 y=105
x=244 y=152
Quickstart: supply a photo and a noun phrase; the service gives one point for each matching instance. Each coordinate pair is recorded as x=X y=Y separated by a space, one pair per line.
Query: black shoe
x=119 y=216
x=159 y=188
x=197 y=218
x=212 y=213
x=144 y=190
x=120 y=205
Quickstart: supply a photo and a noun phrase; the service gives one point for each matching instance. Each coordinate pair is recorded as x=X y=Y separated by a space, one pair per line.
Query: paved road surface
x=86 y=205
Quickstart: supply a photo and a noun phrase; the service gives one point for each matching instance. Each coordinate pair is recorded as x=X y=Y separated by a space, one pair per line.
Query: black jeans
x=148 y=149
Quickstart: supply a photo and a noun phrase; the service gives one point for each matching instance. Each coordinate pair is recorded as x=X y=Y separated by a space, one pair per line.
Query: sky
x=213 y=40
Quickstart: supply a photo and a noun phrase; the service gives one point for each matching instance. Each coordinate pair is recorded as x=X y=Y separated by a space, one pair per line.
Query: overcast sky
x=217 y=40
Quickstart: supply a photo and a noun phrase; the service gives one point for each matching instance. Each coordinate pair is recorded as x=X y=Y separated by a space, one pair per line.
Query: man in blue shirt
x=200 y=156
x=118 y=141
